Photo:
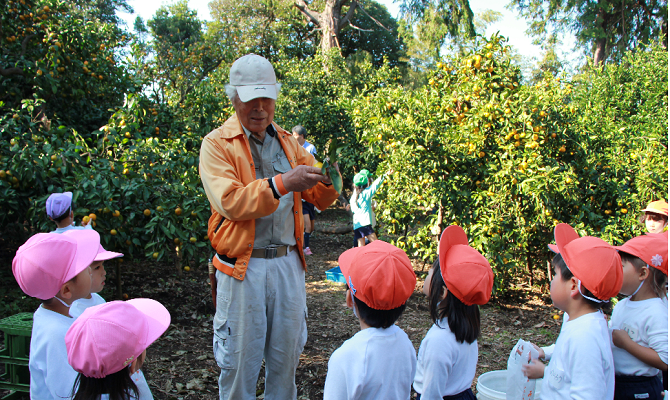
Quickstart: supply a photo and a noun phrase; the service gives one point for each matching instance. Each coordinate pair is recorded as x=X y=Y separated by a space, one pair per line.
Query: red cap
x=466 y=273
x=379 y=274
x=651 y=248
x=591 y=260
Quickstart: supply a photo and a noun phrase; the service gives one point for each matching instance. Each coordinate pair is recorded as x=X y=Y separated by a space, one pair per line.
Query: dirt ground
x=181 y=365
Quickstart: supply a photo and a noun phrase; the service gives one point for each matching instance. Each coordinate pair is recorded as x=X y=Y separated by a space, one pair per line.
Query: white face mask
x=353 y=302
x=62 y=302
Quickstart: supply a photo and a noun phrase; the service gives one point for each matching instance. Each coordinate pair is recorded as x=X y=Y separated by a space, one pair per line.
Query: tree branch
x=24 y=43
x=360 y=29
x=350 y=13
x=11 y=71
x=377 y=22
x=312 y=16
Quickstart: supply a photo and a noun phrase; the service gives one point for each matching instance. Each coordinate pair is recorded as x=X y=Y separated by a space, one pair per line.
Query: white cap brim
x=250 y=92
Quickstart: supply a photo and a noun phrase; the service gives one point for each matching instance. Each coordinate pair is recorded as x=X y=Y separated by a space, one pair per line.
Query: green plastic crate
x=14 y=356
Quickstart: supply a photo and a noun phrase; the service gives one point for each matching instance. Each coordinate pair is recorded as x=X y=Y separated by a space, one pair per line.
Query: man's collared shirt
x=270 y=159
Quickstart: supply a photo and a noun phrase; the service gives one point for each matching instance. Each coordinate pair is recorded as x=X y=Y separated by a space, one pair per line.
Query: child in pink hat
x=588 y=273
x=640 y=321
x=98 y=276
x=107 y=344
x=459 y=282
x=55 y=269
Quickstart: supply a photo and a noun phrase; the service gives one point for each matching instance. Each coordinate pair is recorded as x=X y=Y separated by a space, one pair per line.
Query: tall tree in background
x=330 y=21
x=456 y=15
x=185 y=52
x=605 y=28
x=373 y=30
x=265 y=27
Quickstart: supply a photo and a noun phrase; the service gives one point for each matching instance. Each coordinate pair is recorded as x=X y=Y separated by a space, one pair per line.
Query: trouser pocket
x=223 y=349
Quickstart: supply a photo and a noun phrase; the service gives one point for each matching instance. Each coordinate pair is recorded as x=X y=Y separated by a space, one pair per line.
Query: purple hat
x=58 y=203
x=47 y=261
x=107 y=338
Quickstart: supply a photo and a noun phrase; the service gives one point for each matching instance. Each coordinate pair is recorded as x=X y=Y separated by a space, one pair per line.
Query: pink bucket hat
x=47 y=261
x=104 y=255
x=107 y=338
x=58 y=203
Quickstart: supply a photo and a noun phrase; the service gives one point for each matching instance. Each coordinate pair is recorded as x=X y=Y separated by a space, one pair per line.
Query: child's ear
x=574 y=287
x=65 y=292
x=444 y=293
x=350 y=302
x=644 y=273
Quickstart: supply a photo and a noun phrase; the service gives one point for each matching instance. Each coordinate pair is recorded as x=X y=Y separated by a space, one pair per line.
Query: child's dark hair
x=657 y=278
x=654 y=216
x=378 y=318
x=119 y=386
x=464 y=321
x=63 y=216
x=566 y=274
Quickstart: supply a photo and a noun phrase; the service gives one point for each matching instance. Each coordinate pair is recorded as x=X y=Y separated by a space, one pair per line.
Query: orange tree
x=508 y=162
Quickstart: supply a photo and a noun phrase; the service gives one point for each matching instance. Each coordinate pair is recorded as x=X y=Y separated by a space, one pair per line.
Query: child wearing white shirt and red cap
x=379 y=361
x=588 y=273
x=55 y=269
x=640 y=321
x=107 y=344
x=458 y=283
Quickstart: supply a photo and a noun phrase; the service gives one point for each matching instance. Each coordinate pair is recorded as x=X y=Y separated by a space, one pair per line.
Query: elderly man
x=255 y=174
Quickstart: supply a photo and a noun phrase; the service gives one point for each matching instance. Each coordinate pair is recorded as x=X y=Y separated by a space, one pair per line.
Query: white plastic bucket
x=493 y=385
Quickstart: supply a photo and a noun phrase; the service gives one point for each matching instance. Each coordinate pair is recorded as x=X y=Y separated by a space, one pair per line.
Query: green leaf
x=336 y=179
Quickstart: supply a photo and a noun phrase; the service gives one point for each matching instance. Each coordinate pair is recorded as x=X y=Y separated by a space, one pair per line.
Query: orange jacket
x=237 y=198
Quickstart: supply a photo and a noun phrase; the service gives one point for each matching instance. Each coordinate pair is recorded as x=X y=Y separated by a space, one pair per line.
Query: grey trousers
x=261 y=317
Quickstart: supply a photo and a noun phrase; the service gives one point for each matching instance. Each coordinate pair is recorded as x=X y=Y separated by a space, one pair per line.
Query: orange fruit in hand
x=86 y=219
x=92 y=216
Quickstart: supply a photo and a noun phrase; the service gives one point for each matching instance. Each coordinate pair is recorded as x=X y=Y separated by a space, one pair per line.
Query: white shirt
x=375 y=363
x=69 y=227
x=646 y=322
x=51 y=377
x=444 y=367
x=80 y=305
x=581 y=366
x=310 y=148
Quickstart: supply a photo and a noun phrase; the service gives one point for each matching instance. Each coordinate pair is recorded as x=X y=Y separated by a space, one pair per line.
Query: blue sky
x=511 y=25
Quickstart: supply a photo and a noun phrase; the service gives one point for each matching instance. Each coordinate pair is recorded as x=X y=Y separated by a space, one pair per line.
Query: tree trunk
x=599 y=53
x=329 y=21
x=329 y=24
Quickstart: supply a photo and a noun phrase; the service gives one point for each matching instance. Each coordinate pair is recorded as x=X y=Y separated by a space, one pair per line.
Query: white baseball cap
x=253 y=76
